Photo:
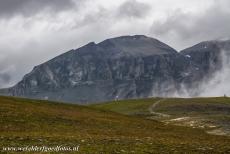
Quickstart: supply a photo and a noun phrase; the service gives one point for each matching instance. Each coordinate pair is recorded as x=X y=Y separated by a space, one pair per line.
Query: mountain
x=212 y=57
x=208 y=54
x=118 y=68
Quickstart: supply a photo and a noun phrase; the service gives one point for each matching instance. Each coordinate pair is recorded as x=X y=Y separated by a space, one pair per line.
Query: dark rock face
x=210 y=57
x=208 y=54
x=119 y=68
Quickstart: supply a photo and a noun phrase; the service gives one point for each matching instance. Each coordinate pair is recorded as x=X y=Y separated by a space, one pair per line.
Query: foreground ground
x=96 y=129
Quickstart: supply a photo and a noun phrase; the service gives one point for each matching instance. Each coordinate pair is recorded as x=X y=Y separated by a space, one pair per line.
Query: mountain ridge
x=118 y=68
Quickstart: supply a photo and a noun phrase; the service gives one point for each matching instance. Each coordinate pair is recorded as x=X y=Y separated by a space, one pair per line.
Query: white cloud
x=183 y=28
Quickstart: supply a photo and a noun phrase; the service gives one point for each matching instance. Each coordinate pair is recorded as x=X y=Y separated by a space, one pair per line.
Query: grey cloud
x=100 y=16
x=129 y=9
x=4 y=79
x=133 y=9
x=26 y=8
x=187 y=28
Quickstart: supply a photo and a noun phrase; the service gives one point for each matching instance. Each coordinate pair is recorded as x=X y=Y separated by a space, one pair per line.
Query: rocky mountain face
x=208 y=55
x=120 y=68
x=211 y=57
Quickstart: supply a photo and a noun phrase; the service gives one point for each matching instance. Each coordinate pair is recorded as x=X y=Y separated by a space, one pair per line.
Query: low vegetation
x=210 y=114
x=99 y=129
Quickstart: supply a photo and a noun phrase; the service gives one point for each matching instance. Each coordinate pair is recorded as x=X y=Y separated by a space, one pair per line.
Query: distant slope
x=26 y=122
x=118 y=68
x=210 y=114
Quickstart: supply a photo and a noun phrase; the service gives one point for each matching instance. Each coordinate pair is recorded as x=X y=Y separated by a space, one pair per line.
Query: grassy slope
x=142 y=105
x=211 y=114
x=30 y=122
x=128 y=107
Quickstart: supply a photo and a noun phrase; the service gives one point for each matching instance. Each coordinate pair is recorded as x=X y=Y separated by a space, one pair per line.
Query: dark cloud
x=133 y=9
x=188 y=28
x=26 y=8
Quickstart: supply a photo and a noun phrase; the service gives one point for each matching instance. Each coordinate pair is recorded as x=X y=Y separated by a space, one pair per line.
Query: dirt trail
x=194 y=122
x=151 y=109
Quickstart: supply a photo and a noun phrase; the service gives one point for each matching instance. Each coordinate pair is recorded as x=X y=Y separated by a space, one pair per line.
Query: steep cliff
x=118 y=68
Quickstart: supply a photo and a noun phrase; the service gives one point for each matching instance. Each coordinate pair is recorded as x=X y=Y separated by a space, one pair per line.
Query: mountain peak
x=121 y=67
x=208 y=46
x=131 y=37
x=137 y=45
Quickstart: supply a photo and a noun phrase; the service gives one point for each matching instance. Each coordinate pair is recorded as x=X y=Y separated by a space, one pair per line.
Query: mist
x=214 y=84
x=218 y=85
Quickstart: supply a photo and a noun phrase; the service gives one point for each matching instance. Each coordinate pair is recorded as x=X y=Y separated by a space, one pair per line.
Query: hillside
x=26 y=122
x=118 y=68
x=209 y=114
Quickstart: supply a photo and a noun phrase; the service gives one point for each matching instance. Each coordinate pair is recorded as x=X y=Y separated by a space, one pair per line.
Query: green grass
x=168 y=105
x=198 y=112
x=128 y=107
x=95 y=129
x=194 y=105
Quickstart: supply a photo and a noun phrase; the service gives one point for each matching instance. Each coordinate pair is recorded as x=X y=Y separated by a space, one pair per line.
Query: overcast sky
x=33 y=31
